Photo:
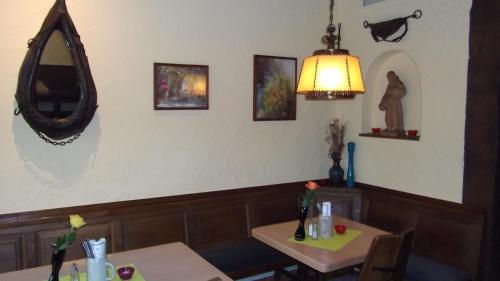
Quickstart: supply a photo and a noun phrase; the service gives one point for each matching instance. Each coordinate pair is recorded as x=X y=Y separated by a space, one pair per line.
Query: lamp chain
x=330 y=39
x=332 y=4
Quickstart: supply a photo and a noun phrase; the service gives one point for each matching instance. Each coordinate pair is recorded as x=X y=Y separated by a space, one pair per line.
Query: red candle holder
x=340 y=228
x=412 y=133
x=126 y=272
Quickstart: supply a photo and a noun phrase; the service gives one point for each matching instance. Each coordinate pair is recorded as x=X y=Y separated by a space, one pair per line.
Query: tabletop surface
x=174 y=261
x=277 y=235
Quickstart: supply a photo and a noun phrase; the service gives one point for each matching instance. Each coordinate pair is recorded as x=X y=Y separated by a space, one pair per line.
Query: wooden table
x=353 y=253
x=174 y=261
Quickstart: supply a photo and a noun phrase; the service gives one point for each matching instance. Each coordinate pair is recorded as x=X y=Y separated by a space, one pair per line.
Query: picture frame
x=369 y=2
x=274 y=88
x=181 y=86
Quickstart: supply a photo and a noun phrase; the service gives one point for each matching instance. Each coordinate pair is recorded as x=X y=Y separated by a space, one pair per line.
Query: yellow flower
x=76 y=221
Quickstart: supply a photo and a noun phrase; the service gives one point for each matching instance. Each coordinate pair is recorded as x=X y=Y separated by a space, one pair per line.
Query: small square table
x=174 y=261
x=277 y=235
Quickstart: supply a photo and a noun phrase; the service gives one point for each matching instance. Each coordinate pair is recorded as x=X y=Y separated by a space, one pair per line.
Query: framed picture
x=180 y=86
x=369 y=2
x=274 y=84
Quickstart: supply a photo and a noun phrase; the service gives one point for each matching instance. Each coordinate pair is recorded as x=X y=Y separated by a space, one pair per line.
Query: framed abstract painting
x=180 y=86
x=274 y=95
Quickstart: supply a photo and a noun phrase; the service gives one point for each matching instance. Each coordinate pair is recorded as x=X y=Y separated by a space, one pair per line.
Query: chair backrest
x=404 y=252
x=381 y=258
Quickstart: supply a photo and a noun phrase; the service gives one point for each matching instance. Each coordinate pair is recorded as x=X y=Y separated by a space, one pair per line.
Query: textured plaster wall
x=438 y=45
x=130 y=151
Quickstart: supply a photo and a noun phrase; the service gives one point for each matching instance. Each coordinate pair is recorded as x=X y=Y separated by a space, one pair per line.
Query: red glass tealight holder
x=125 y=272
x=412 y=133
x=376 y=130
x=340 y=228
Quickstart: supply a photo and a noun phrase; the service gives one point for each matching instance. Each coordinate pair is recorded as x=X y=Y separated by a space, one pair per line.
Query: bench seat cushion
x=249 y=256
x=424 y=269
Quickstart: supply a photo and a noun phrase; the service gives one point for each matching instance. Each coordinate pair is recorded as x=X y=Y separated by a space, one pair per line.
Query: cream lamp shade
x=331 y=72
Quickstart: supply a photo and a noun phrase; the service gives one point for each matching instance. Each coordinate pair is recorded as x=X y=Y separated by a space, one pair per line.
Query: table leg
x=302 y=271
x=306 y=273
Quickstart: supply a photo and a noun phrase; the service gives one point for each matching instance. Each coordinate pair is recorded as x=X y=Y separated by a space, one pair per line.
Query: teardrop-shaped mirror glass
x=57 y=89
x=56 y=94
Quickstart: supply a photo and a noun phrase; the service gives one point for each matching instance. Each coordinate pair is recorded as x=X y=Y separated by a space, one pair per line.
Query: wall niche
x=376 y=81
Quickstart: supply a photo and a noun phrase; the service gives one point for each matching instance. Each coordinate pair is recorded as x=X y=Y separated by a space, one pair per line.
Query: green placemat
x=333 y=244
x=83 y=275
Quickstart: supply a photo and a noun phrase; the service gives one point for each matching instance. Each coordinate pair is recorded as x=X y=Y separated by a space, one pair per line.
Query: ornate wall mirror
x=56 y=93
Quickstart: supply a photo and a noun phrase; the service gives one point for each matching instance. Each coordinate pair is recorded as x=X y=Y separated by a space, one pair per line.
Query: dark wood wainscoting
x=201 y=220
x=444 y=231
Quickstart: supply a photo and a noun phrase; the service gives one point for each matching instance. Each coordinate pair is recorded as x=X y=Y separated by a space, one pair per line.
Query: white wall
x=130 y=151
x=438 y=45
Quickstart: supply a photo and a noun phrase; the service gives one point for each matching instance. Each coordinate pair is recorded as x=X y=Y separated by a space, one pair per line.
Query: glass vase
x=336 y=172
x=300 y=233
x=350 y=167
x=56 y=261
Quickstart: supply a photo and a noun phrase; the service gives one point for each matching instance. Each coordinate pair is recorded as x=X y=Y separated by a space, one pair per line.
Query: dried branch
x=335 y=138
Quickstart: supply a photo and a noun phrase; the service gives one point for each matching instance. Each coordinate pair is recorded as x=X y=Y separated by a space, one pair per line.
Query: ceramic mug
x=98 y=269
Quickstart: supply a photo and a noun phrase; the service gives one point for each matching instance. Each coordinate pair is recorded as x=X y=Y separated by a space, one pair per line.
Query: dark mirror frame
x=47 y=128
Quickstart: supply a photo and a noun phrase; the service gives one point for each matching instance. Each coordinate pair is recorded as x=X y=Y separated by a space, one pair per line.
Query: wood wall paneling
x=11 y=252
x=45 y=238
x=202 y=220
x=440 y=238
x=445 y=231
x=391 y=217
x=283 y=208
x=220 y=225
x=154 y=230
x=346 y=201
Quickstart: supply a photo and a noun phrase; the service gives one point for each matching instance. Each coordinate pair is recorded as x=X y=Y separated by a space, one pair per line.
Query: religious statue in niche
x=391 y=104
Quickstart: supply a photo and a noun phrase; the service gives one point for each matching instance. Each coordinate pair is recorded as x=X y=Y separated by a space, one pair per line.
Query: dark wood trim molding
x=118 y=208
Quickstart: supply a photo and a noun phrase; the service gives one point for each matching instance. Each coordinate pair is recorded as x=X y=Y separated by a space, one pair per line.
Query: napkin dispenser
x=325 y=221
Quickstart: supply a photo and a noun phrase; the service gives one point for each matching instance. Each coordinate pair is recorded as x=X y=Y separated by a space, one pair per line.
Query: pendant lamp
x=331 y=73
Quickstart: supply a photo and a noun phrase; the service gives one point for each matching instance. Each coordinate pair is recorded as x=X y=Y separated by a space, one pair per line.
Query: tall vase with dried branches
x=335 y=138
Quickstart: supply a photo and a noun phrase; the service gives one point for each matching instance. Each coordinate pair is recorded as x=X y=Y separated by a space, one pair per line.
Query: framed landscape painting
x=274 y=96
x=180 y=86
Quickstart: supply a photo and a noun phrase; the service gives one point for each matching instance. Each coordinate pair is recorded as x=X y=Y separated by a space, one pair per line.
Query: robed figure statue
x=391 y=104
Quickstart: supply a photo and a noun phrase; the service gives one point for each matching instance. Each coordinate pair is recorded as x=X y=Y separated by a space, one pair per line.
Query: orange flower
x=312 y=185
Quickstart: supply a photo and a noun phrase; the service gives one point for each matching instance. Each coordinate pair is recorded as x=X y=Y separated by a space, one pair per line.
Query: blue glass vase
x=350 y=167
x=336 y=173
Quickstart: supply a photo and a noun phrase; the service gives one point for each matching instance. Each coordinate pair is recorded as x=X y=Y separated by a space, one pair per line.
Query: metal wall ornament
x=56 y=94
x=382 y=31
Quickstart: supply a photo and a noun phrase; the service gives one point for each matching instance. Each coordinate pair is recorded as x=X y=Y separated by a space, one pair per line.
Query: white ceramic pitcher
x=97 y=267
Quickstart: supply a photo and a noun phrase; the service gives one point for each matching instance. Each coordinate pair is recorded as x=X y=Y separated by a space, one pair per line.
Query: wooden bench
x=420 y=268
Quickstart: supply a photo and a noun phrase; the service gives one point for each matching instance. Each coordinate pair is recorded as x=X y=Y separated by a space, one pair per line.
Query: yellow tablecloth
x=333 y=244
x=83 y=276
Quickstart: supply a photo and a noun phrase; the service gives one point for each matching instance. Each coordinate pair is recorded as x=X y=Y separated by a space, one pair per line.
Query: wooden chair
x=404 y=252
x=380 y=260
